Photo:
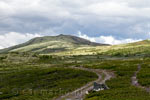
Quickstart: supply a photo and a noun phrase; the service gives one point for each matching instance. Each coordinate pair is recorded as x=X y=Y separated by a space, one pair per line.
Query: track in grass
x=135 y=80
x=81 y=92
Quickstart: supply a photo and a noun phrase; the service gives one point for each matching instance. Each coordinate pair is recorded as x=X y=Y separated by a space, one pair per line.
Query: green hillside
x=50 y=44
x=141 y=48
x=130 y=49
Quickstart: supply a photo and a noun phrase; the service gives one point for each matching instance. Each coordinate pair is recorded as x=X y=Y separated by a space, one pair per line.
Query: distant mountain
x=144 y=42
x=48 y=44
x=141 y=48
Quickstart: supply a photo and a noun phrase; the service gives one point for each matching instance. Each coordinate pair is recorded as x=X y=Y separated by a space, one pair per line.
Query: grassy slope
x=144 y=74
x=120 y=87
x=131 y=49
x=28 y=82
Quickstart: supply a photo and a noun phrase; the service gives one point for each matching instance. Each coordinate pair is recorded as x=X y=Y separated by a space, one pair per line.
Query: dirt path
x=135 y=80
x=80 y=93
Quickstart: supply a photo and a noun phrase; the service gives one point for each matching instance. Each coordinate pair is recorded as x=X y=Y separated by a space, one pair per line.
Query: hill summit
x=48 y=44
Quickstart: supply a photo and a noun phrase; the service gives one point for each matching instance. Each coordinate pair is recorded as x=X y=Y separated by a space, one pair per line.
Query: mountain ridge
x=48 y=44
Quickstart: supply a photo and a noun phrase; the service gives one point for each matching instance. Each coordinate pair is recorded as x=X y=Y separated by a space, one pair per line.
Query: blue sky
x=105 y=21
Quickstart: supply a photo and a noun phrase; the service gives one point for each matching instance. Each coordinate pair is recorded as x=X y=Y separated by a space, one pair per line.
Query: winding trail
x=80 y=93
x=135 y=82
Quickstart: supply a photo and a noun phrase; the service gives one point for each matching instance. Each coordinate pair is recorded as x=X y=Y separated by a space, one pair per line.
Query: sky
x=103 y=21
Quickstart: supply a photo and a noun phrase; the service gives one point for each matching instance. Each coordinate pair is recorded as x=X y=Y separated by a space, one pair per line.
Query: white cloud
x=1 y=47
x=86 y=37
x=107 y=39
x=13 y=38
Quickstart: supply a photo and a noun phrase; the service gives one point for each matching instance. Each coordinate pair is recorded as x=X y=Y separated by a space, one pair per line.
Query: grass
x=141 y=48
x=124 y=68
x=41 y=65
x=40 y=83
x=144 y=74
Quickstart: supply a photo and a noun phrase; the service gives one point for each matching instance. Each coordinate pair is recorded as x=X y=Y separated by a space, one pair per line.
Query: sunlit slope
x=49 y=44
x=131 y=49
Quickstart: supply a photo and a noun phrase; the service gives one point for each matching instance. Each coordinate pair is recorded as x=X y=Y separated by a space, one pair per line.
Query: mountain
x=48 y=44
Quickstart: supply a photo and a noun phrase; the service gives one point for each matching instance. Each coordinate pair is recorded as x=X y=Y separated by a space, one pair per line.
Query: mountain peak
x=61 y=35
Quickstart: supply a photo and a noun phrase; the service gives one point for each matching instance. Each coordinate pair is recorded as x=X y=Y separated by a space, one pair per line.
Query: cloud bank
x=107 y=39
x=123 y=18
